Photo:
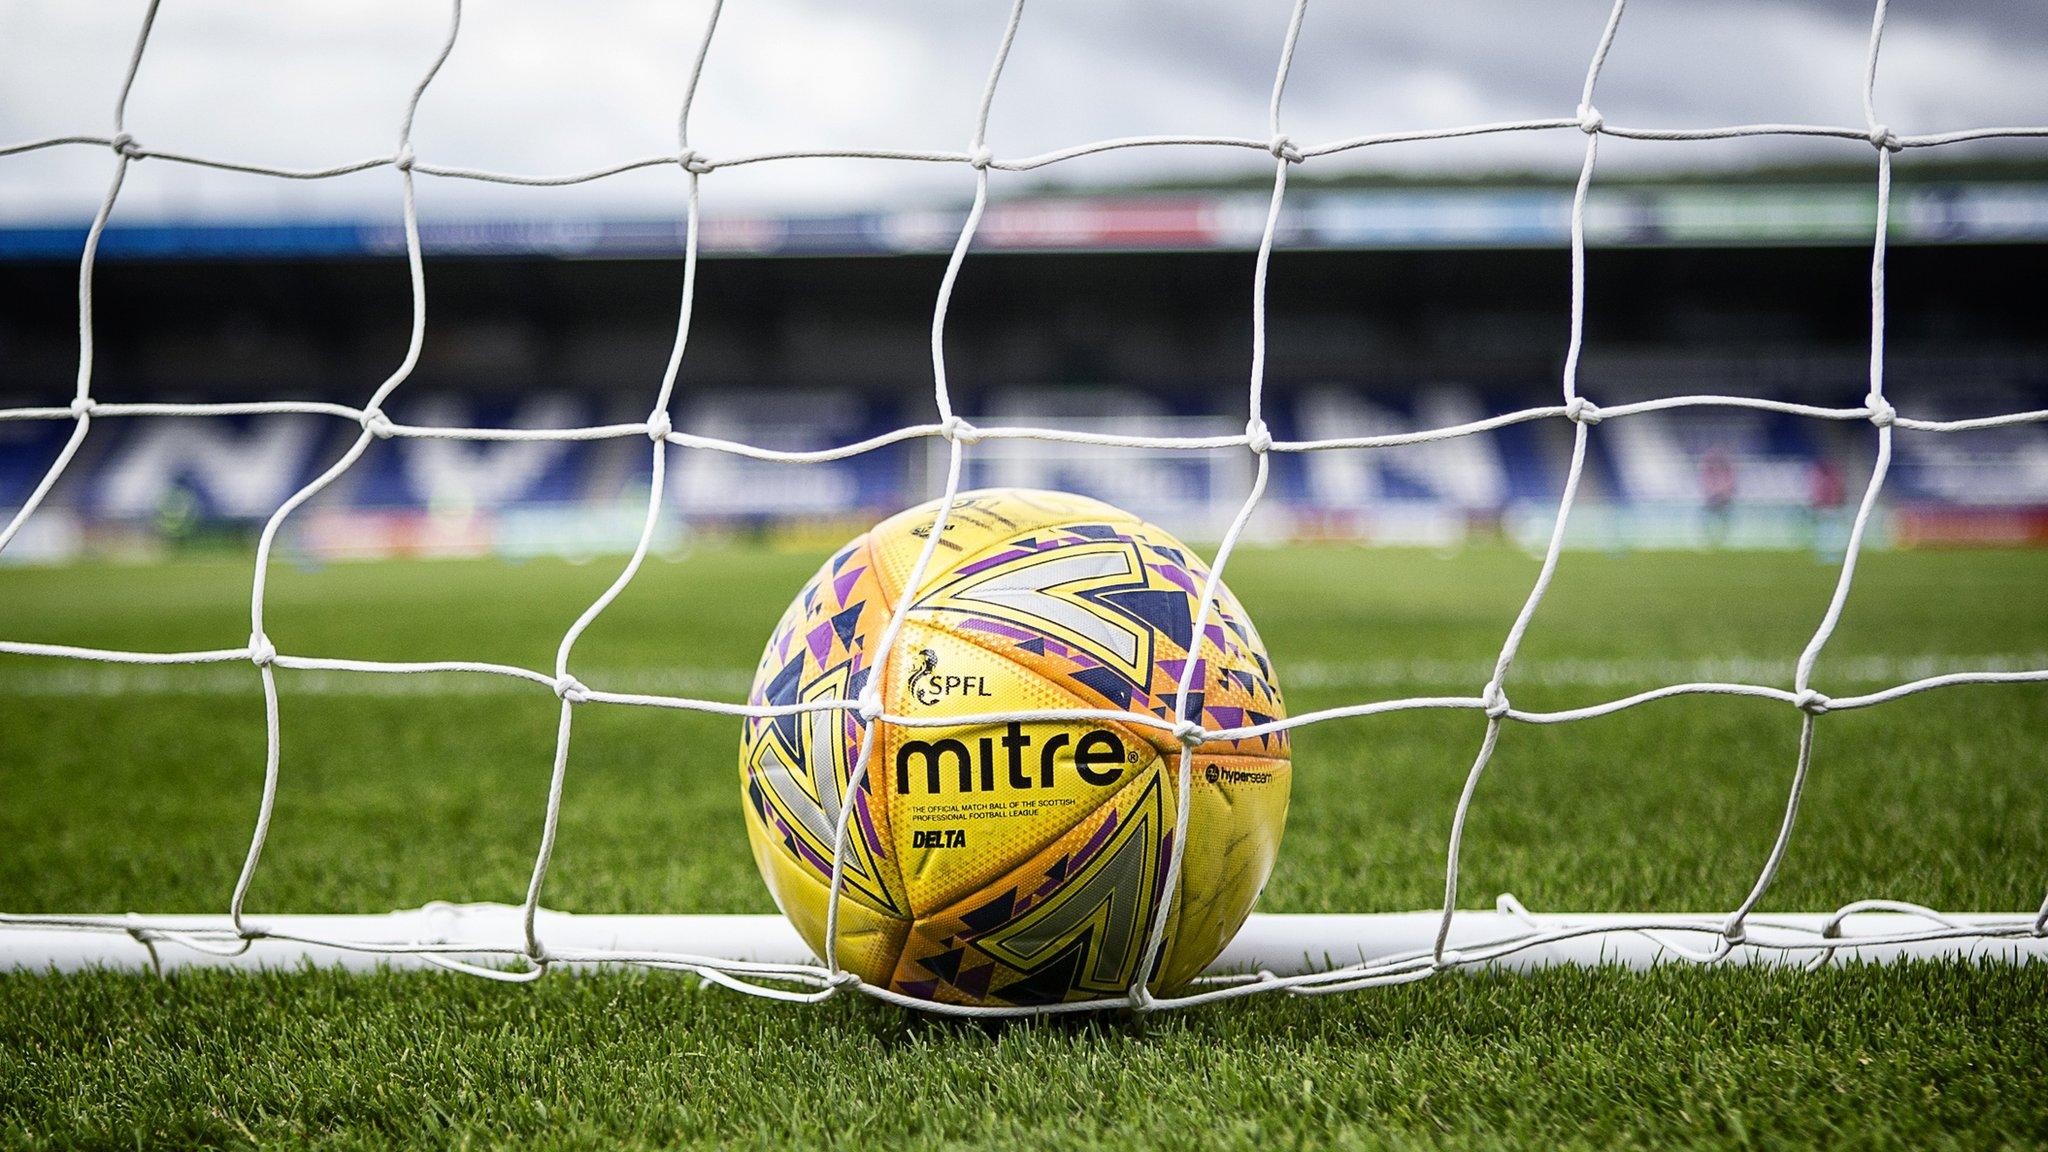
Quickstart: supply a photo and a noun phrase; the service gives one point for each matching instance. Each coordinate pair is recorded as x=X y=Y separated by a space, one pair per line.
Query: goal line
x=1309 y=951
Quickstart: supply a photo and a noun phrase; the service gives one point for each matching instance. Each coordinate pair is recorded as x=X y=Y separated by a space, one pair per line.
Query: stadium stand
x=811 y=333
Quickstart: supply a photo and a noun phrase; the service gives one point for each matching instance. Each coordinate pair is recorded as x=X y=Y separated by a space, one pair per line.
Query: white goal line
x=1423 y=945
x=1309 y=946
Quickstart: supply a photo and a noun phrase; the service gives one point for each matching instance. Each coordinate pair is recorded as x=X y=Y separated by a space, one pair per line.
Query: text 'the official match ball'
x=1003 y=863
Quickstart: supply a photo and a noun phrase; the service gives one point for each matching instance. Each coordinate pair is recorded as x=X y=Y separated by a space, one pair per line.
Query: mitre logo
x=1008 y=761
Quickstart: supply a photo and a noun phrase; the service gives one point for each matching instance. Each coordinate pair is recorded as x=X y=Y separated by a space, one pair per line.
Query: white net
x=1734 y=935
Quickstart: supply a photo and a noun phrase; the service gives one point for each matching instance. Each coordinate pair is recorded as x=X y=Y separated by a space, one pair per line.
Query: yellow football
x=995 y=862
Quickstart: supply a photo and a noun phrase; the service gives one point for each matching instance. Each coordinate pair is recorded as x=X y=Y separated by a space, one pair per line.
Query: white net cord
x=1399 y=948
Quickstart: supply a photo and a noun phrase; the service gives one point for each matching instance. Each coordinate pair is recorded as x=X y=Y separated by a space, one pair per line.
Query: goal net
x=1195 y=468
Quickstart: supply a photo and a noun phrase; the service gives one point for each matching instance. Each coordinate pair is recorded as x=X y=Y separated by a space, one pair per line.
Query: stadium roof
x=1451 y=216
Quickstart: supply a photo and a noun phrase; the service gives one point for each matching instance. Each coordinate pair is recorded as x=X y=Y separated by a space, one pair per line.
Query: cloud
x=541 y=87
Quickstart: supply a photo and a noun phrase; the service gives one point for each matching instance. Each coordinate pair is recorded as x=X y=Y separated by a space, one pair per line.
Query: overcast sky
x=543 y=86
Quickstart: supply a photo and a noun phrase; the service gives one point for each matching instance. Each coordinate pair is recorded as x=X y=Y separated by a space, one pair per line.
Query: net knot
x=1811 y=702
x=1446 y=960
x=842 y=979
x=1734 y=934
x=1882 y=413
x=125 y=145
x=659 y=425
x=84 y=406
x=570 y=689
x=377 y=424
x=1190 y=734
x=1282 y=147
x=868 y=707
x=980 y=156
x=1590 y=120
x=1257 y=436
x=404 y=160
x=1141 y=998
x=1494 y=700
x=693 y=162
x=261 y=651
x=1583 y=411
x=959 y=431
x=1881 y=136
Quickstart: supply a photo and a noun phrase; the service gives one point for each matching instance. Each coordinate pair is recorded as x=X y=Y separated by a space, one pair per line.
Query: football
x=1003 y=862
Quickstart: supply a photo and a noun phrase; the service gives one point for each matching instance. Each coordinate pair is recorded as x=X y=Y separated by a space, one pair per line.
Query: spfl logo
x=930 y=687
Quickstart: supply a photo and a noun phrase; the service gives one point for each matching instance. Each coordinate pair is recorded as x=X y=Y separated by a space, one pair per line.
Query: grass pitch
x=130 y=788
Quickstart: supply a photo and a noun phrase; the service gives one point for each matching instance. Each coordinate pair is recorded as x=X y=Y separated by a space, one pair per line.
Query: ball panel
x=1070 y=923
x=870 y=942
x=795 y=769
x=980 y=520
x=1107 y=609
x=1237 y=808
x=969 y=803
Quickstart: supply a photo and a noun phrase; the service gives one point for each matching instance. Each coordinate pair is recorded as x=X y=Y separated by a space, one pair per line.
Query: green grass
x=134 y=789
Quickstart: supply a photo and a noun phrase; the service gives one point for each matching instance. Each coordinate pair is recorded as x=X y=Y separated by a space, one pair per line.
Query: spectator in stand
x=1717 y=493
x=1826 y=494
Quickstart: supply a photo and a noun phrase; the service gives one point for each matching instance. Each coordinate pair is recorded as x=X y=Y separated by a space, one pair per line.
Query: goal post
x=1314 y=949
x=1301 y=954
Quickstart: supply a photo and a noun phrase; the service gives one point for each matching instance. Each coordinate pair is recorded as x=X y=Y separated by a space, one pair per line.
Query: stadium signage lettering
x=1098 y=757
